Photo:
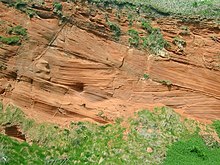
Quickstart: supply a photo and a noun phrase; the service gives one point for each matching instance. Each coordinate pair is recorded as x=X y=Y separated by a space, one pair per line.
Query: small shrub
x=179 y=42
x=31 y=13
x=57 y=9
x=101 y=114
x=215 y=38
x=147 y=26
x=144 y=42
x=115 y=29
x=185 y=30
x=155 y=41
x=57 y=6
x=146 y=76
x=166 y=83
x=134 y=38
x=130 y=19
x=18 y=30
x=20 y=5
x=11 y=115
x=14 y=40
x=117 y=15
x=2 y=67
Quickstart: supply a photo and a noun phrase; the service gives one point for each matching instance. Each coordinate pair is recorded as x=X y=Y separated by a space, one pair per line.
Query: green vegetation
x=179 y=42
x=155 y=41
x=193 y=151
x=130 y=19
x=86 y=143
x=216 y=125
x=134 y=38
x=18 y=30
x=16 y=33
x=2 y=66
x=22 y=5
x=185 y=30
x=115 y=29
x=147 y=26
x=204 y=8
x=152 y=41
x=166 y=83
x=13 y=152
x=14 y=40
x=58 y=8
x=101 y=114
x=200 y=8
x=215 y=38
x=151 y=137
x=146 y=76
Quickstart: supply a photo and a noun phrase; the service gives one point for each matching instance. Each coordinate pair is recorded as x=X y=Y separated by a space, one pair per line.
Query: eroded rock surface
x=66 y=73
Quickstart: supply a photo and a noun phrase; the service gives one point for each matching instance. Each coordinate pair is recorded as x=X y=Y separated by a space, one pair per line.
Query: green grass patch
x=216 y=125
x=14 y=152
x=193 y=152
x=204 y=8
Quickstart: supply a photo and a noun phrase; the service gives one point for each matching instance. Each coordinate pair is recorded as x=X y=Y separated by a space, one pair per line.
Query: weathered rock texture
x=69 y=72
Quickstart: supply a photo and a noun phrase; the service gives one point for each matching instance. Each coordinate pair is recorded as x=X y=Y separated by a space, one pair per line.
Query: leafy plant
x=155 y=41
x=130 y=19
x=179 y=42
x=58 y=9
x=19 y=33
x=147 y=26
x=115 y=29
x=146 y=76
x=19 y=4
x=134 y=38
x=14 y=40
x=22 y=5
x=57 y=6
x=18 y=30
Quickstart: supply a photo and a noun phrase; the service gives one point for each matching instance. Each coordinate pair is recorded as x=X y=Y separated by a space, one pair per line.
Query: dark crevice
x=79 y=87
x=13 y=131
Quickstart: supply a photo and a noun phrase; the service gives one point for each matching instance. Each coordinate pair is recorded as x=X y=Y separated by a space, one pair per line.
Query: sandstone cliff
x=72 y=70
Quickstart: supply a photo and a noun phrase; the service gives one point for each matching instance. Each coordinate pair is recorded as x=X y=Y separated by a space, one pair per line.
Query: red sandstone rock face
x=64 y=73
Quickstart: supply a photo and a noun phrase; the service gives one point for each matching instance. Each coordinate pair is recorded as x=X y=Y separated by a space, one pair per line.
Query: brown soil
x=75 y=72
